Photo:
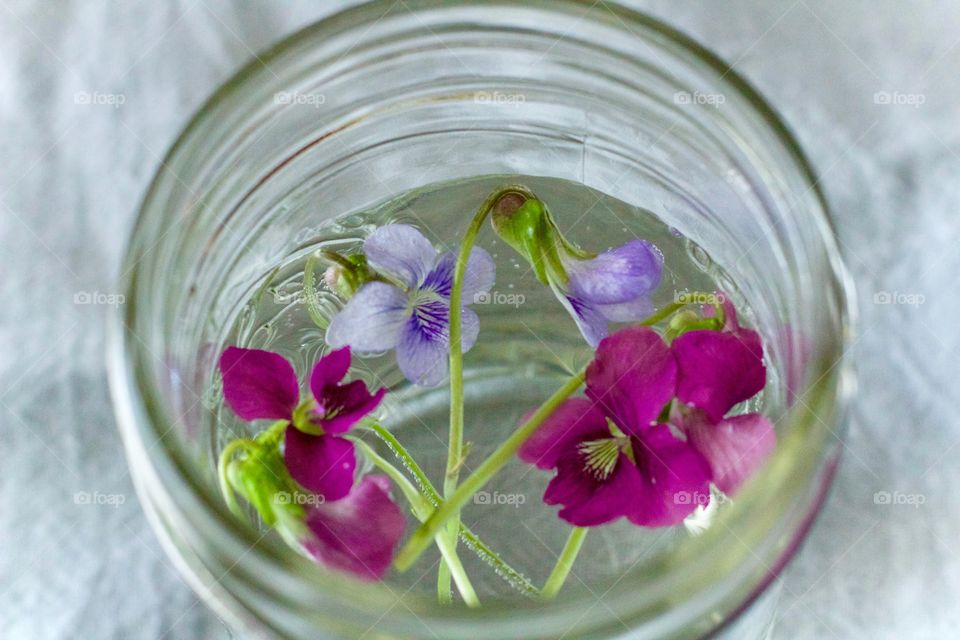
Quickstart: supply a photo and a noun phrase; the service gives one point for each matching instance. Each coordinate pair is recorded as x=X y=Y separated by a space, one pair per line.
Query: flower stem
x=455 y=445
x=487 y=469
x=564 y=563
x=421 y=508
x=312 y=301
x=223 y=470
x=470 y=539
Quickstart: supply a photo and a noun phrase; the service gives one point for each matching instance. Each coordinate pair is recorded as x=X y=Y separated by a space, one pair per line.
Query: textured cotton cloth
x=93 y=93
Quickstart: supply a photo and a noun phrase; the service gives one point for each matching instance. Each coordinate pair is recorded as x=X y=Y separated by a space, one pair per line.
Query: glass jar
x=384 y=98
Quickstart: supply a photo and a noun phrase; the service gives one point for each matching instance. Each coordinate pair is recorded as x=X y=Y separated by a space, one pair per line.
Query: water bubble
x=699 y=256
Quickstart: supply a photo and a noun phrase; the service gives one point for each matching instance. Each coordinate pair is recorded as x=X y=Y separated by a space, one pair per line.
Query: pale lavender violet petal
x=323 y=464
x=423 y=348
x=734 y=448
x=359 y=533
x=619 y=275
x=632 y=377
x=401 y=252
x=371 y=321
x=478 y=277
x=632 y=311
x=718 y=369
x=259 y=384
x=592 y=324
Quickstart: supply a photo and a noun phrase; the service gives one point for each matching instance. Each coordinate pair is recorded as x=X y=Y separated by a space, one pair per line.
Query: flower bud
x=347 y=273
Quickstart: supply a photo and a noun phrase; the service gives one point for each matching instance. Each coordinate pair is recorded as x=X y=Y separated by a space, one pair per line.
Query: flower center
x=600 y=456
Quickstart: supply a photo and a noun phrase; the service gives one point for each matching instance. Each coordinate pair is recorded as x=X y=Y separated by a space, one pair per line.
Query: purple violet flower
x=613 y=454
x=615 y=286
x=263 y=385
x=411 y=313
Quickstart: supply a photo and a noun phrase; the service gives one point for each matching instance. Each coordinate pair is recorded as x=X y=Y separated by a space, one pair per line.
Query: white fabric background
x=71 y=177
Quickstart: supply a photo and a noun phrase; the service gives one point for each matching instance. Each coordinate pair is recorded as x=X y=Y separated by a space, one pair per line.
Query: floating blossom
x=612 y=458
x=263 y=385
x=617 y=456
x=613 y=286
x=411 y=312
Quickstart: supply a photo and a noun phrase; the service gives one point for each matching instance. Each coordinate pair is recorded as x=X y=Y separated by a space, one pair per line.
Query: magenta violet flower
x=359 y=533
x=595 y=289
x=263 y=385
x=616 y=455
x=410 y=311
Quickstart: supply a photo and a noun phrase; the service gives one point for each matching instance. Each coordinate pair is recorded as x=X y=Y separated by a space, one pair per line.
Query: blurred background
x=93 y=93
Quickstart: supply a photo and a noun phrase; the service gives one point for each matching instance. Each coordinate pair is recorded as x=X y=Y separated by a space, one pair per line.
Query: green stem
x=564 y=563
x=478 y=546
x=310 y=298
x=223 y=470
x=500 y=457
x=421 y=508
x=455 y=445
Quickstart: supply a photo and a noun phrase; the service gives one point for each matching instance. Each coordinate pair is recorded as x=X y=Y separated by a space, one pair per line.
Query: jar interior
x=333 y=126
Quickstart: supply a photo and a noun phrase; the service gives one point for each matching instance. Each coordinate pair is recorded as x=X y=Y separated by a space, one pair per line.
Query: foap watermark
x=698 y=97
x=301 y=499
x=97 y=499
x=99 y=298
x=898 y=498
x=97 y=99
x=497 y=498
x=898 y=99
x=698 y=297
x=500 y=98
x=315 y=100
x=899 y=297
x=698 y=498
x=499 y=297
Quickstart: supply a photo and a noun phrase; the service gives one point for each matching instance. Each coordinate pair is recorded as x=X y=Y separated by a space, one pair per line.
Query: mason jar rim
x=167 y=481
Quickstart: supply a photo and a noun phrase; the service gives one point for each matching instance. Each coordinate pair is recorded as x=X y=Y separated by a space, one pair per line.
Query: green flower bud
x=524 y=222
x=347 y=273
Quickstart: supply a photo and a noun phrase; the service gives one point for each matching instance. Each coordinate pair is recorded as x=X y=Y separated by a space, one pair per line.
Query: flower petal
x=592 y=324
x=619 y=275
x=323 y=464
x=371 y=320
x=478 y=277
x=587 y=501
x=359 y=533
x=676 y=478
x=259 y=384
x=735 y=448
x=400 y=251
x=329 y=370
x=423 y=349
x=576 y=419
x=718 y=369
x=632 y=377
x=346 y=405
x=636 y=309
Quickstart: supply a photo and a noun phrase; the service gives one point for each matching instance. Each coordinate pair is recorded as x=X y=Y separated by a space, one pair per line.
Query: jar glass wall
x=381 y=100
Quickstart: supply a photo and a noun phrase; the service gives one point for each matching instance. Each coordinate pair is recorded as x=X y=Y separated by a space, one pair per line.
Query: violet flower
x=411 y=313
x=359 y=533
x=614 y=453
x=263 y=385
x=613 y=286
